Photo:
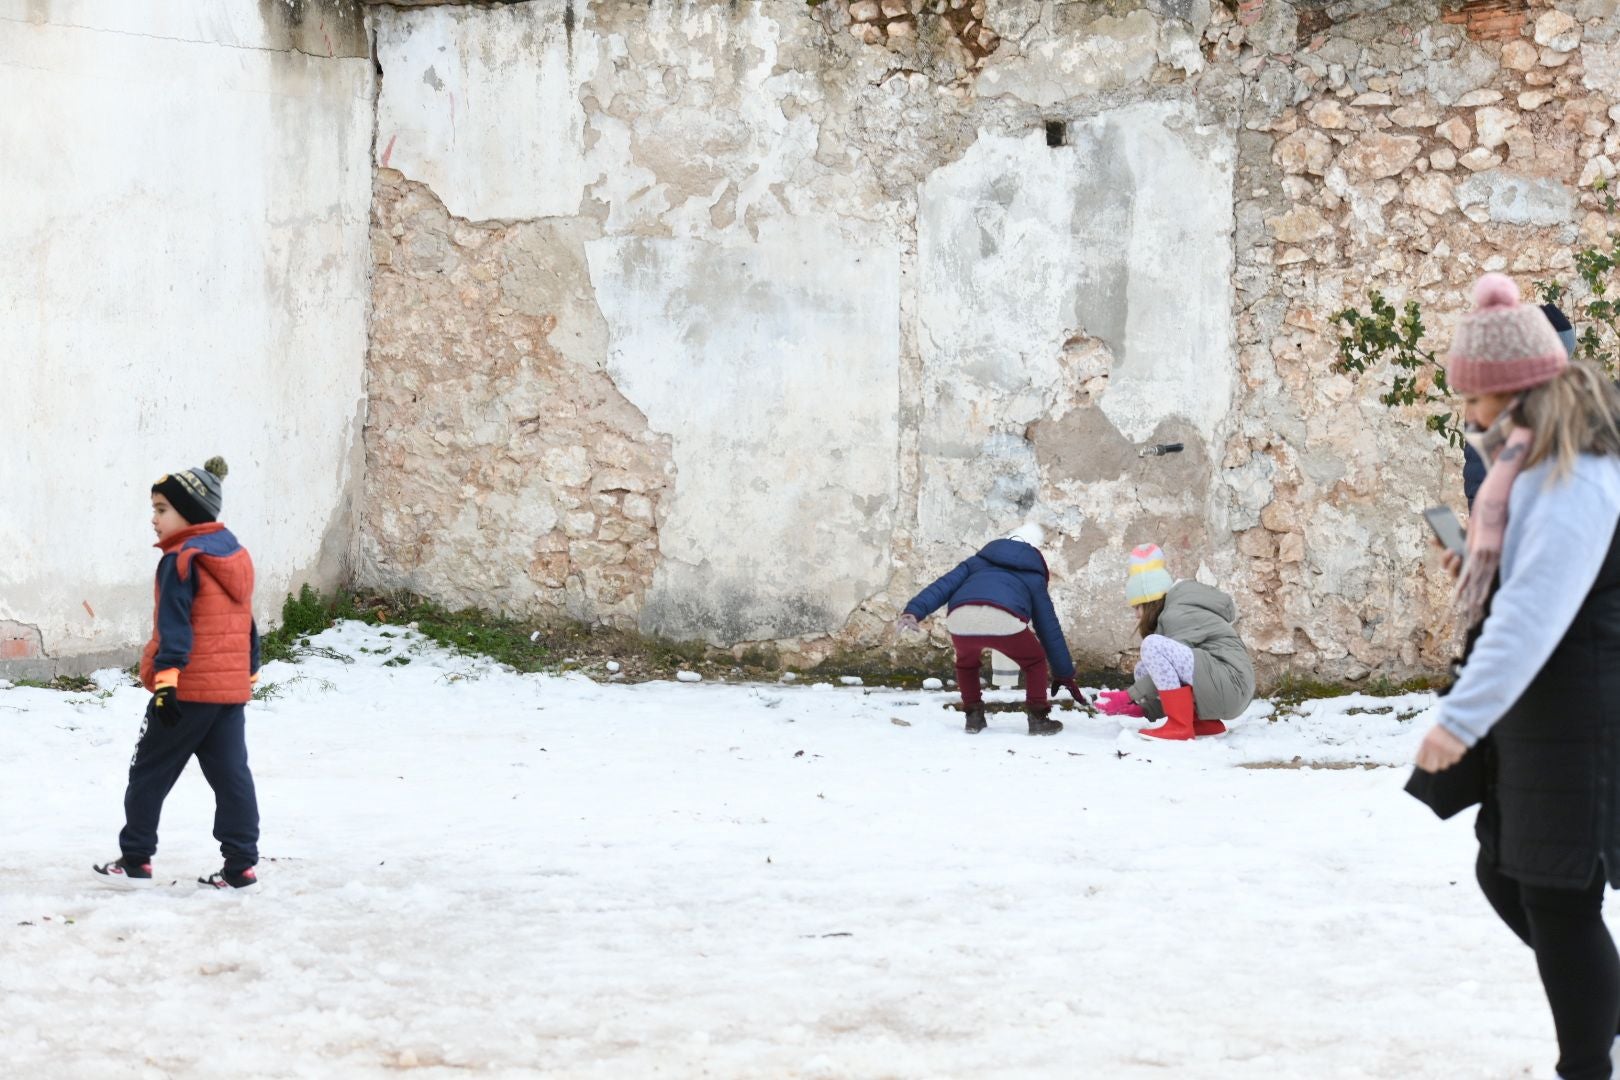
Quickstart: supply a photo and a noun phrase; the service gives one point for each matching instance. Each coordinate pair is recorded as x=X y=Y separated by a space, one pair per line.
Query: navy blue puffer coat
x=1011 y=575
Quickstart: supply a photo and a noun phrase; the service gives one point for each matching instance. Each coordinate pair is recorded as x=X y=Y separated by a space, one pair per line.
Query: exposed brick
x=1489 y=20
x=19 y=641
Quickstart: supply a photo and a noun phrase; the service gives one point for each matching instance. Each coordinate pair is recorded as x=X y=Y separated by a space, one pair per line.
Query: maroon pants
x=1023 y=649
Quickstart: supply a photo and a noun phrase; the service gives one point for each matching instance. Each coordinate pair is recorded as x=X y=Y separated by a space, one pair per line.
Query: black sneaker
x=224 y=879
x=125 y=873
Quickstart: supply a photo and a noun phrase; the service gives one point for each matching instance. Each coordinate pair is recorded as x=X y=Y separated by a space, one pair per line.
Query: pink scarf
x=1487 y=525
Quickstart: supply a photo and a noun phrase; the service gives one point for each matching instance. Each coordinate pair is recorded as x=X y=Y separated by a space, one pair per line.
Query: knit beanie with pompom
x=1503 y=346
x=1147 y=579
x=195 y=493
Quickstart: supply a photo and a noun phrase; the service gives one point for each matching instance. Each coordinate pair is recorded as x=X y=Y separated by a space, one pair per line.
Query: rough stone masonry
x=740 y=321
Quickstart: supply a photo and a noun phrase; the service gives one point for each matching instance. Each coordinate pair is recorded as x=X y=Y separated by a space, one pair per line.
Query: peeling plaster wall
x=755 y=347
x=877 y=283
x=186 y=194
x=778 y=384
x=1074 y=302
x=493 y=121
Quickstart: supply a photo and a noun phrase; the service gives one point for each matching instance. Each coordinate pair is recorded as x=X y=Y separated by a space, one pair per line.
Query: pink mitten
x=1118 y=703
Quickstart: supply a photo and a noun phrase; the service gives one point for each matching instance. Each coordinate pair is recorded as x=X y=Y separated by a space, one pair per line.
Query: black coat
x=1550 y=813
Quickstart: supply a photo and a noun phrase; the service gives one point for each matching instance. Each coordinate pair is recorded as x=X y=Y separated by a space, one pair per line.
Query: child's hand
x=1119 y=703
x=1065 y=684
x=164 y=707
x=907 y=624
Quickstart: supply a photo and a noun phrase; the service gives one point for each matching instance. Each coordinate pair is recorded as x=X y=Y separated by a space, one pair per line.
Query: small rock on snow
x=688 y=676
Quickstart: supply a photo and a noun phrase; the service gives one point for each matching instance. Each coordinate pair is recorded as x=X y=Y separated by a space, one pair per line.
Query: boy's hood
x=215 y=550
x=1015 y=555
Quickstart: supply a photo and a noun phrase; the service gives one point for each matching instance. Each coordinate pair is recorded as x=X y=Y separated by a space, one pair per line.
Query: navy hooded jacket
x=1011 y=575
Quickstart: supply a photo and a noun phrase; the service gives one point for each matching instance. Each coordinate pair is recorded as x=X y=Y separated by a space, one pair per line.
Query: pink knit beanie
x=1503 y=345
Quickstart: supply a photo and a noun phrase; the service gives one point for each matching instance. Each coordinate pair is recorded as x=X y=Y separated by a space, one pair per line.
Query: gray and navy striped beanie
x=195 y=493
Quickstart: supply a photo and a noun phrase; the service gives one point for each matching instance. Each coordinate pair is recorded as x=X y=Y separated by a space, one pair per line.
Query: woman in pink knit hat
x=1538 y=694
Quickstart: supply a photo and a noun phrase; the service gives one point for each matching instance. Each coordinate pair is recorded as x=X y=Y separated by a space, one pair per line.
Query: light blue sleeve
x=1558 y=536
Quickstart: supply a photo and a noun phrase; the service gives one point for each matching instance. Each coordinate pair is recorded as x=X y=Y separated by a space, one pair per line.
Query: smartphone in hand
x=1447 y=529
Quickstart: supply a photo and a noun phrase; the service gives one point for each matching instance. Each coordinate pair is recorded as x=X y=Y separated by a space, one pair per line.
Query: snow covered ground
x=472 y=872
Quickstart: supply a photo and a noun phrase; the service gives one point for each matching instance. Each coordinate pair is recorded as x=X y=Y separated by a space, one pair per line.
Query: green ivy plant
x=1366 y=340
x=1597 y=321
x=1416 y=376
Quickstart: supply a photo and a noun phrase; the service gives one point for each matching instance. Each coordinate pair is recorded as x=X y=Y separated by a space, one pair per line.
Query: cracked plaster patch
x=483 y=106
x=774 y=369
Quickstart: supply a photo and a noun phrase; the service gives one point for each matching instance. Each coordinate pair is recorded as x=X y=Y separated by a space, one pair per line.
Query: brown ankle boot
x=975 y=720
x=1041 y=722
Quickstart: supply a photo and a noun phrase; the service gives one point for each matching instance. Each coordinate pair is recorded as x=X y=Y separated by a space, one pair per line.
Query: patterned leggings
x=1166 y=661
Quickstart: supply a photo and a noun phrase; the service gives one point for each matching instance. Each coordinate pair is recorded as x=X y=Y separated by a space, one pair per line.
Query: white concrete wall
x=186 y=193
x=781 y=392
x=1122 y=236
x=483 y=106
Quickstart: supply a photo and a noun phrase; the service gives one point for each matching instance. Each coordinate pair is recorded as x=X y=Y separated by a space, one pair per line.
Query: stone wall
x=742 y=321
x=1409 y=154
x=186 y=191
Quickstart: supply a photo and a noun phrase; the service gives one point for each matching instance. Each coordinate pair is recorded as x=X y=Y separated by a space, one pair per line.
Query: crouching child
x=998 y=599
x=1194 y=672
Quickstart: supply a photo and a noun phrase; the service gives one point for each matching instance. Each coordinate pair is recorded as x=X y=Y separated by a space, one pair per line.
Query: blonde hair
x=1575 y=412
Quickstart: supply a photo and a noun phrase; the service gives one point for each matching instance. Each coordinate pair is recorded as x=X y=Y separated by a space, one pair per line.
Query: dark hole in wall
x=1312 y=21
x=1057 y=133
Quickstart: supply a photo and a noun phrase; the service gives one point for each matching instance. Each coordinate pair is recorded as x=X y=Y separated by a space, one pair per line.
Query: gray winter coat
x=1201 y=618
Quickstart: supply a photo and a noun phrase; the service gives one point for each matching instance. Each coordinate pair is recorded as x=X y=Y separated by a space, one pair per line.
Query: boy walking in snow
x=200 y=667
x=994 y=599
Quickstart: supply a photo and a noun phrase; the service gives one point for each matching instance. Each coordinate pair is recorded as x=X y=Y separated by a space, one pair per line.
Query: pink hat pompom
x=1495 y=291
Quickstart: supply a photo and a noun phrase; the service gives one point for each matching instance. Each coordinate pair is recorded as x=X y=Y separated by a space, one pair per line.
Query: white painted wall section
x=186 y=209
x=1124 y=234
x=483 y=105
x=774 y=366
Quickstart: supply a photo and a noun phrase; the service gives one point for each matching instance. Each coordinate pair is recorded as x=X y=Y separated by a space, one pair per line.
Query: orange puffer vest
x=219 y=668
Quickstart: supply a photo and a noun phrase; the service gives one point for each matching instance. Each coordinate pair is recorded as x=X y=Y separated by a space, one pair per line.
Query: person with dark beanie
x=1473 y=464
x=200 y=666
x=1538 y=591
